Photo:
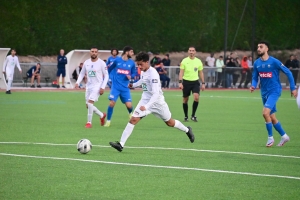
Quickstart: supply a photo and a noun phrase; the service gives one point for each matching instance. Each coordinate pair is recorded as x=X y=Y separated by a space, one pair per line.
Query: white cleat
x=284 y=139
x=270 y=142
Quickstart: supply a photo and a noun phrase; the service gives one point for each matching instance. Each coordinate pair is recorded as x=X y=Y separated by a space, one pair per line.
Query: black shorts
x=61 y=71
x=190 y=86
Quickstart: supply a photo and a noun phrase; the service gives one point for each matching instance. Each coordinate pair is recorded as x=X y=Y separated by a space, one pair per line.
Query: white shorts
x=9 y=74
x=298 y=98
x=92 y=94
x=159 y=109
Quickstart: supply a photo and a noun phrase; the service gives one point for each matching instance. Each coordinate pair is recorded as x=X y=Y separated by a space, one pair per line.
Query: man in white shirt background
x=210 y=62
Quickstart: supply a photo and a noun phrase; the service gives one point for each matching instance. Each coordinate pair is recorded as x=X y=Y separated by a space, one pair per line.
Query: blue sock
x=130 y=109
x=110 y=111
x=279 y=128
x=269 y=128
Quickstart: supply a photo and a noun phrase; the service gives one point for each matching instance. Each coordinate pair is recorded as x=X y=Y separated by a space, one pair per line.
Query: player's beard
x=128 y=56
x=260 y=54
x=93 y=57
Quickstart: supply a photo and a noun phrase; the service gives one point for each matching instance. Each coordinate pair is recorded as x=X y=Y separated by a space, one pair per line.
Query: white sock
x=97 y=112
x=180 y=126
x=9 y=82
x=126 y=133
x=90 y=112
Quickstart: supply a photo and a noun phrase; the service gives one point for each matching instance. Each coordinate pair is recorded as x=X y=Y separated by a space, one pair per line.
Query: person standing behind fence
x=210 y=62
x=219 y=65
x=295 y=70
x=191 y=68
x=245 y=72
x=61 y=68
x=9 y=68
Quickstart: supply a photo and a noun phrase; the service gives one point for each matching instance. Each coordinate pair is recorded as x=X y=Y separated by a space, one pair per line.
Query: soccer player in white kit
x=9 y=68
x=97 y=77
x=152 y=101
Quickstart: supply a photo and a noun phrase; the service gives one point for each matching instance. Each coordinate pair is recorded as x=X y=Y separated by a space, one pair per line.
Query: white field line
x=165 y=148
x=153 y=166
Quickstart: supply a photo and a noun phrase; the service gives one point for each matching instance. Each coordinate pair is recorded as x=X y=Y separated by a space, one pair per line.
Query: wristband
x=180 y=81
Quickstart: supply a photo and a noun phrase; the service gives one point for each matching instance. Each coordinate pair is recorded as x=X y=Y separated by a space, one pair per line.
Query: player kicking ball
x=268 y=68
x=97 y=77
x=152 y=101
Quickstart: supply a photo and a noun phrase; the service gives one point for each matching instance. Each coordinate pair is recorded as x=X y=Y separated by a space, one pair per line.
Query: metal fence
x=49 y=70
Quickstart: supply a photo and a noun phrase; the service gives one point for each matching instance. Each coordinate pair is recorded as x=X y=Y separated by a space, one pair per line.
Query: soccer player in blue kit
x=121 y=71
x=114 y=55
x=268 y=68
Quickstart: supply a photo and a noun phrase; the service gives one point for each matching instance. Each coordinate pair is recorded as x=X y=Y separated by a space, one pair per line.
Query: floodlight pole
x=226 y=29
x=253 y=30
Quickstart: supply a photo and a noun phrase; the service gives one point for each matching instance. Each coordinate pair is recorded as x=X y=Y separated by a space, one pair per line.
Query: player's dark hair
x=142 y=56
x=265 y=43
x=111 y=51
x=13 y=50
x=191 y=46
x=126 y=48
x=94 y=47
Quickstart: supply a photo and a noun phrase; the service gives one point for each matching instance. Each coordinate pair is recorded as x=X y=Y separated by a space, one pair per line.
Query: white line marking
x=153 y=166
x=165 y=148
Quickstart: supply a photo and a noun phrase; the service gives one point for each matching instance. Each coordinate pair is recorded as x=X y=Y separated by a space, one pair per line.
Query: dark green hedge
x=42 y=27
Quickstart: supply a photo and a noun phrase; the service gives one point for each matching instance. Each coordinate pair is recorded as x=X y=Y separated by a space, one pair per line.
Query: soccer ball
x=84 y=146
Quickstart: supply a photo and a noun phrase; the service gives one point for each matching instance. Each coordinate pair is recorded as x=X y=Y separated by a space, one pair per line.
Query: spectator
x=290 y=65
x=245 y=72
x=153 y=61
x=61 y=67
x=219 y=65
x=10 y=63
x=35 y=73
x=166 y=60
x=165 y=80
x=295 y=71
x=229 y=71
x=210 y=62
x=76 y=73
x=236 y=72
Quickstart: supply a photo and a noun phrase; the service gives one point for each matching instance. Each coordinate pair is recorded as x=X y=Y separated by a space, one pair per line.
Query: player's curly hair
x=142 y=56
x=111 y=51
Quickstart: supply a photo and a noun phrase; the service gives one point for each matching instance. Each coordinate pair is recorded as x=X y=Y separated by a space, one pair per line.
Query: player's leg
x=32 y=81
x=63 y=75
x=9 y=76
x=136 y=117
x=167 y=81
x=113 y=97
x=208 y=77
x=58 y=73
x=196 y=91
x=163 y=112
x=39 y=80
x=186 y=91
x=91 y=97
x=125 y=97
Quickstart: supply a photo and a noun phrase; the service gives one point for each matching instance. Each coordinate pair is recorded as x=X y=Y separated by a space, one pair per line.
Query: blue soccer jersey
x=268 y=72
x=119 y=70
x=110 y=60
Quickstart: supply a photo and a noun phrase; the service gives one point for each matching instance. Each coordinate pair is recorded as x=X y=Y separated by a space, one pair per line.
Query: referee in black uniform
x=191 y=68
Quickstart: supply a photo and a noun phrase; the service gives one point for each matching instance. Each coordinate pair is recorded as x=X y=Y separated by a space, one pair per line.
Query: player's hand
x=3 y=72
x=203 y=87
x=76 y=86
x=101 y=91
x=142 y=108
x=180 y=86
x=130 y=85
x=252 y=89
x=294 y=93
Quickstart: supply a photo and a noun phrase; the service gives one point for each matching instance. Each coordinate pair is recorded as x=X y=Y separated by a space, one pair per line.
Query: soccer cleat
x=130 y=115
x=102 y=119
x=58 y=86
x=186 y=119
x=116 y=145
x=107 y=124
x=190 y=134
x=270 y=142
x=39 y=86
x=8 y=92
x=32 y=86
x=88 y=125
x=193 y=118
x=284 y=139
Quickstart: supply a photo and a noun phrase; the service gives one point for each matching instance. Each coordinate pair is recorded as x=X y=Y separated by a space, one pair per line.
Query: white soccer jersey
x=97 y=75
x=150 y=83
x=10 y=63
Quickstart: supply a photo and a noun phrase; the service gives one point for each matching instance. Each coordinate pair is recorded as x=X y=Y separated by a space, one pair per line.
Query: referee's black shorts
x=190 y=86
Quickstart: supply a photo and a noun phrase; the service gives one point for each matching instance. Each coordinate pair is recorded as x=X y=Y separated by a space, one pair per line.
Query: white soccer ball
x=84 y=146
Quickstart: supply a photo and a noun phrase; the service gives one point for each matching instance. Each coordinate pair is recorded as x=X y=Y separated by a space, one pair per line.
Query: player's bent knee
x=170 y=122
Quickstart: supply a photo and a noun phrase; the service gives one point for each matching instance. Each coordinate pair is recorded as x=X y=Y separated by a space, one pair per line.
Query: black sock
x=185 y=109
x=195 y=106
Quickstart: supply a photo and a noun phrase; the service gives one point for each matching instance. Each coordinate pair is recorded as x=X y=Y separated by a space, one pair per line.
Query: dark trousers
x=165 y=80
x=245 y=75
x=235 y=78
x=295 y=75
x=219 y=79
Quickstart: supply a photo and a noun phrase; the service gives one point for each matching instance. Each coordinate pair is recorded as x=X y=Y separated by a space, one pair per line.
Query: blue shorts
x=270 y=101
x=124 y=94
x=61 y=71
